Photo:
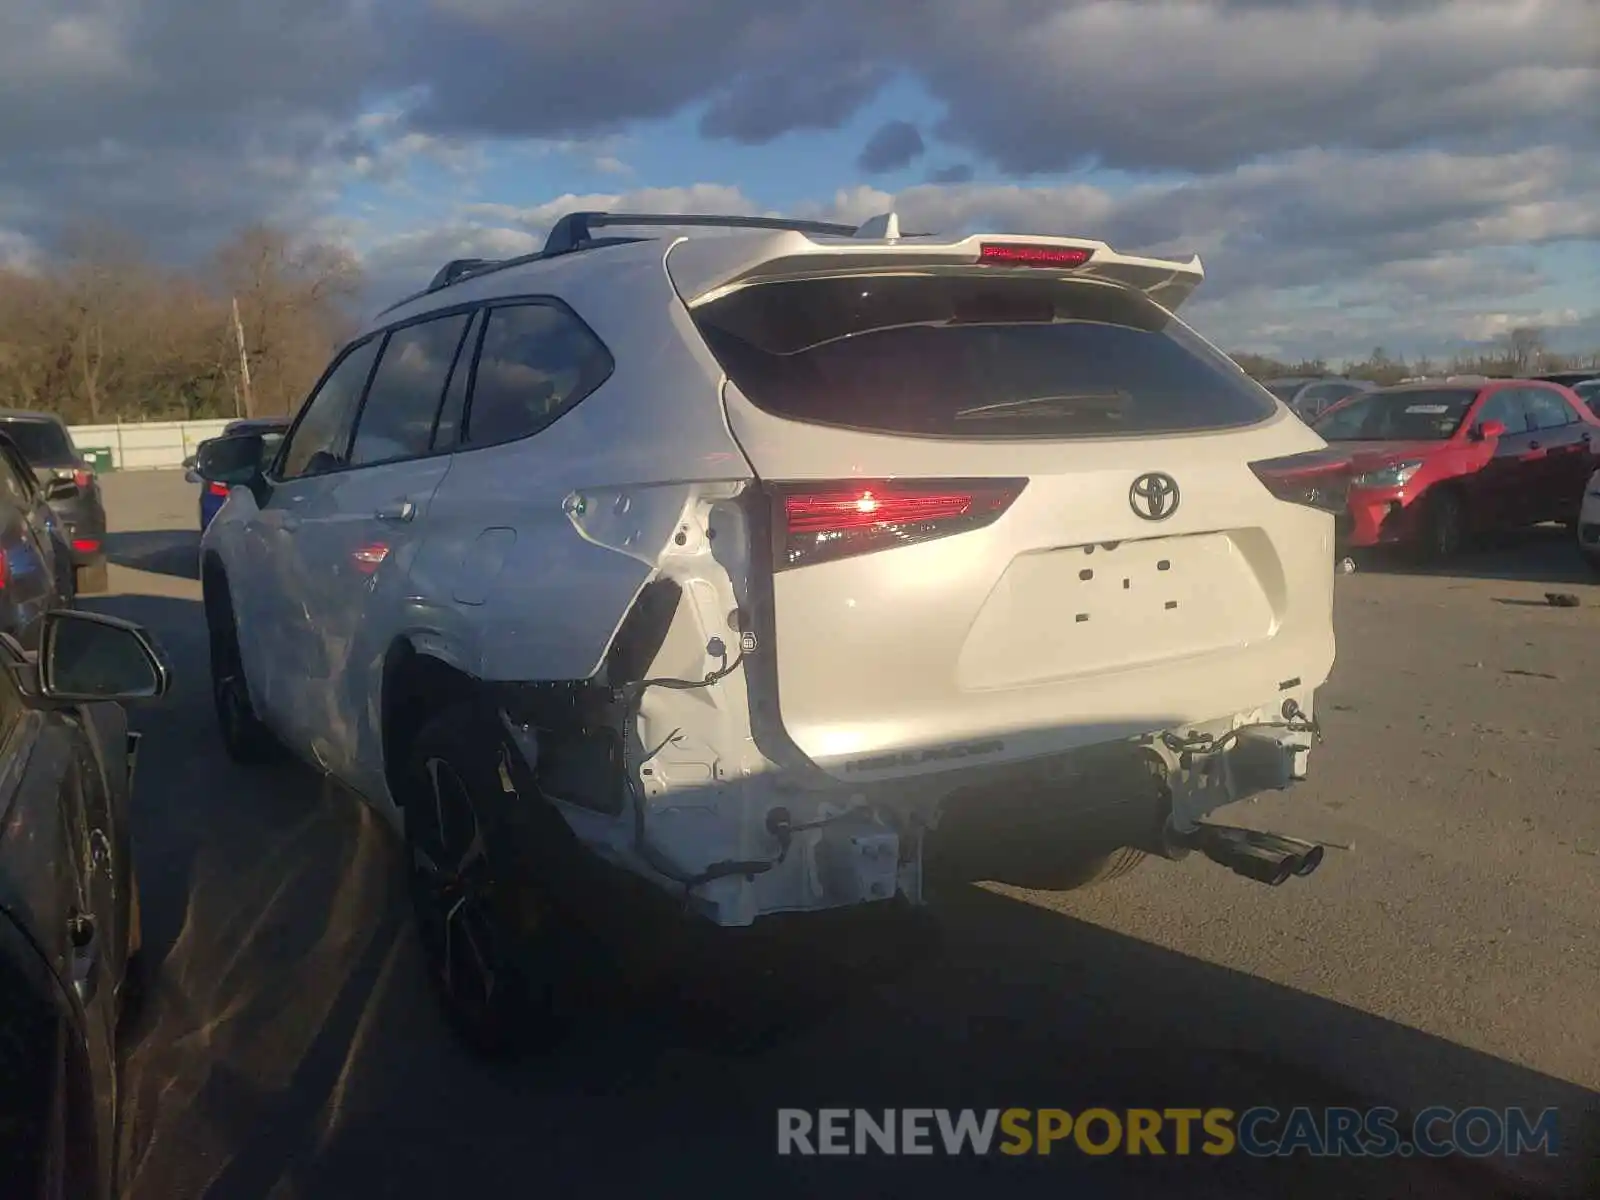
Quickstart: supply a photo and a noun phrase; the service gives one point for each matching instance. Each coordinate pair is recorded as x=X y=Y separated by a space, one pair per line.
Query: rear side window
x=536 y=361
x=43 y=443
x=970 y=357
x=447 y=431
x=403 y=398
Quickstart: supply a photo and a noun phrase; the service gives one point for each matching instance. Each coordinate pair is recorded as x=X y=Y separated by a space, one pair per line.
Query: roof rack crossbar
x=571 y=232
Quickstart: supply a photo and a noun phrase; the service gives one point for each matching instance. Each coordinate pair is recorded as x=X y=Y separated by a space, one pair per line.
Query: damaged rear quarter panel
x=595 y=498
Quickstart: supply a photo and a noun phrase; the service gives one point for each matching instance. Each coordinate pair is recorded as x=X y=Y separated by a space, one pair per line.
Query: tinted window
x=1423 y=414
x=1506 y=407
x=1588 y=392
x=1547 y=409
x=448 y=429
x=970 y=357
x=324 y=428
x=43 y=443
x=12 y=487
x=403 y=399
x=536 y=361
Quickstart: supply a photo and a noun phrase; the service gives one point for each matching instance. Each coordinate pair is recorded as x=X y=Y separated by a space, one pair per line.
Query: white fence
x=148 y=444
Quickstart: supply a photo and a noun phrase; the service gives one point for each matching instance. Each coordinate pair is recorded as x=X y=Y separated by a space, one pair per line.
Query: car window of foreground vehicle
x=974 y=358
x=1422 y=414
x=42 y=442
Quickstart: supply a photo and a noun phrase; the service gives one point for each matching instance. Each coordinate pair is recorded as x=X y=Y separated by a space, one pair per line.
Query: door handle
x=400 y=510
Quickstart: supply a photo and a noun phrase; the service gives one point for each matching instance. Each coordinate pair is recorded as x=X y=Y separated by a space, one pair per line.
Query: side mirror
x=60 y=489
x=86 y=657
x=230 y=460
x=192 y=476
x=1488 y=431
x=188 y=463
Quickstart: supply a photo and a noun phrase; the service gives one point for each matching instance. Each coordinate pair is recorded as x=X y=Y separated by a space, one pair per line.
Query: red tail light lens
x=217 y=489
x=1020 y=254
x=1317 y=478
x=828 y=521
x=5 y=570
x=83 y=479
x=86 y=545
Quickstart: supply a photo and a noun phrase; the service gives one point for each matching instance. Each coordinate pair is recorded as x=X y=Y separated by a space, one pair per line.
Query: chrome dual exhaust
x=1268 y=858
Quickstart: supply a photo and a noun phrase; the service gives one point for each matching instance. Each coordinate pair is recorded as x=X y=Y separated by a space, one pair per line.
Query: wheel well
x=415 y=687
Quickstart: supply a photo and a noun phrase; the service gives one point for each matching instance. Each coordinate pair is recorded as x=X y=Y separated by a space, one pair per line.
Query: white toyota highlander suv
x=769 y=562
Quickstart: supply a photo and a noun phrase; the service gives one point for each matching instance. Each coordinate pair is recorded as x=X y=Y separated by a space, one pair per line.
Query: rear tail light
x=83 y=479
x=217 y=489
x=1318 y=478
x=5 y=569
x=822 y=522
x=1021 y=254
x=86 y=545
x=367 y=559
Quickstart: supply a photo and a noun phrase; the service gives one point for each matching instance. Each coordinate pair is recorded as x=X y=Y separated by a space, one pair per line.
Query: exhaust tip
x=1309 y=861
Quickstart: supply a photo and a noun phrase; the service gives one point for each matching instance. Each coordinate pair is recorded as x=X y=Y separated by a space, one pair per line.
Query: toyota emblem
x=1154 y=496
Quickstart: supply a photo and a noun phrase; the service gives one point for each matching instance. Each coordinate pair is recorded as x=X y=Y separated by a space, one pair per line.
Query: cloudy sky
x=1415 y=173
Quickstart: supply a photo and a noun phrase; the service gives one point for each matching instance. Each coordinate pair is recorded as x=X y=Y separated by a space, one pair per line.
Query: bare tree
x=1525 y=349
x=291 y=305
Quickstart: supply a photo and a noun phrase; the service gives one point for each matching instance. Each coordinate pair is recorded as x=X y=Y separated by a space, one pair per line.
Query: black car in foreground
x=70 y=485
x=69 y=901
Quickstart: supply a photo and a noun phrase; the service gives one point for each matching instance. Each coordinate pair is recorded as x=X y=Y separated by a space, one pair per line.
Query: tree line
x=1522 y=351
x=101 y=332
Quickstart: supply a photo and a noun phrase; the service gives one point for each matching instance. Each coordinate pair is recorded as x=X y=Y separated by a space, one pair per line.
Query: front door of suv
x=358 y=543
x=274 y=590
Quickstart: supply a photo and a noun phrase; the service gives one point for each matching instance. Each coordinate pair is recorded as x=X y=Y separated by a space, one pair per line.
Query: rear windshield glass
x=43 y=443
x=977 y=358
x=1423 y=414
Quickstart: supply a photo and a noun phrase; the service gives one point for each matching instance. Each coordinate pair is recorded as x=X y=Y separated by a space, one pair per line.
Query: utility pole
x=244 y=367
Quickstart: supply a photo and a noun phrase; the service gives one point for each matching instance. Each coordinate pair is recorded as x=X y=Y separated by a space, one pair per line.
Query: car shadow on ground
x=173 y=552
x=1545 y=554
x=290 y=1046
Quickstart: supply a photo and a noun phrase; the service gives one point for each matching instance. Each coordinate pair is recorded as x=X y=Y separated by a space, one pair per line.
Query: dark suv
x=70 y=487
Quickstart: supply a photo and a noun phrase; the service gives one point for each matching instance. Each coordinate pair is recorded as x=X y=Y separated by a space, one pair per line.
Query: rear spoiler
x=705 y=269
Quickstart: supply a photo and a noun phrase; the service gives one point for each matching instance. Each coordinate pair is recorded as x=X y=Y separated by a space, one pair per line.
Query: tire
x=93 y=577
x=1443 y=527
x=493 y=944
x=245 y=736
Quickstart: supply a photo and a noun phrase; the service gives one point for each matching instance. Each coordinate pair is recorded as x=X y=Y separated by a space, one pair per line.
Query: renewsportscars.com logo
x=1259 y=1132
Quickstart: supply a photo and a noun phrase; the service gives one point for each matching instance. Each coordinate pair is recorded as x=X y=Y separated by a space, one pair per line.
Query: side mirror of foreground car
x=86 y=657
x=1488 y=431
x=234 y=460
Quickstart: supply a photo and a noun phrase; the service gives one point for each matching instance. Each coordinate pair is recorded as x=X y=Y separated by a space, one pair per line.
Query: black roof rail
x=571 y=232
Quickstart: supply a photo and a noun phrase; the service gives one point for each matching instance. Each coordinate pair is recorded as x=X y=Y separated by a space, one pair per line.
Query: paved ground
x=1450 y=955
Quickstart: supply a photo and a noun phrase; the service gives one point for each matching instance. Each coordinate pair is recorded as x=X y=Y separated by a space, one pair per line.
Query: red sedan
x=1433 y=462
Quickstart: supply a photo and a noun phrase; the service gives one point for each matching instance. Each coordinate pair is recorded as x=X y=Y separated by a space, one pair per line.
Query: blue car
x=214 y=495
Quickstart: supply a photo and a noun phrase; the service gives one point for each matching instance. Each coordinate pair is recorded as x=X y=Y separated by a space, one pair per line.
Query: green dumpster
x=99 y=458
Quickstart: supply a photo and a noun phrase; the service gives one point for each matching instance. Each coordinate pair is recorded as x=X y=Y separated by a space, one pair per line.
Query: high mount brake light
x=1318 y=478
x=1018 y=254
x=823 y=522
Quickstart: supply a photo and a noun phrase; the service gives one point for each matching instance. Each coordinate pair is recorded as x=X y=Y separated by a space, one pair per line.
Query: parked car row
x=1434 y=462
x=70 y=487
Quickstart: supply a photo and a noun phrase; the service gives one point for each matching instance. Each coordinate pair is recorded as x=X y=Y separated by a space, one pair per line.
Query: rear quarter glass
x=974 y=357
